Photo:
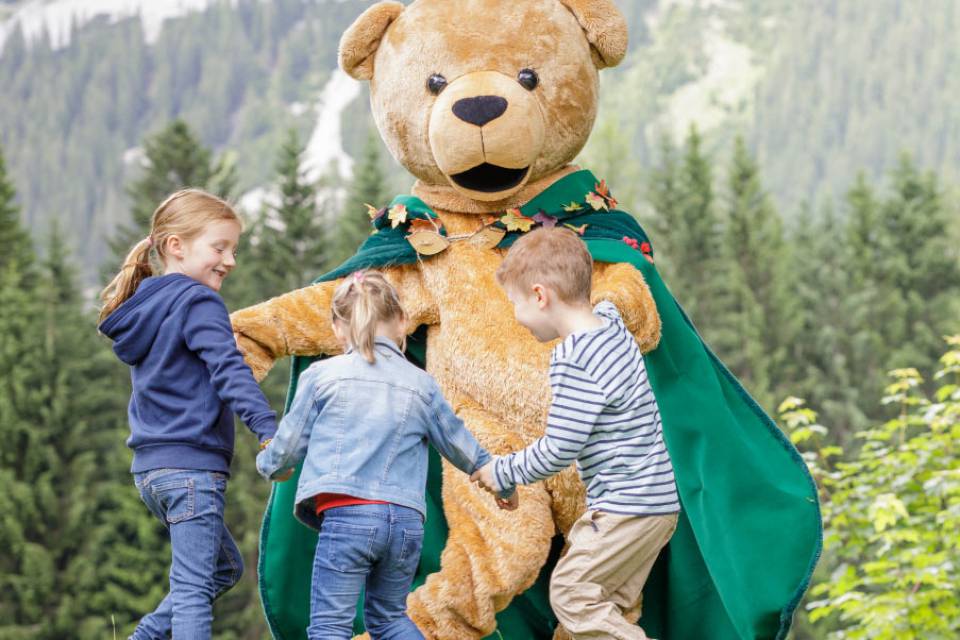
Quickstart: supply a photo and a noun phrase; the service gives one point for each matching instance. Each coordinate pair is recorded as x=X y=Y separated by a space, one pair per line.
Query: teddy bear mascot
x=487 y=102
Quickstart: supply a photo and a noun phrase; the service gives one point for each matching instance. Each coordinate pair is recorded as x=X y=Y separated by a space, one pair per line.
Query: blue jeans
x=206 y=561
x=372 y=546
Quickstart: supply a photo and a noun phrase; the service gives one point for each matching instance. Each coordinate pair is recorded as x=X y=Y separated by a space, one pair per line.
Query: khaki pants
x=596 y=588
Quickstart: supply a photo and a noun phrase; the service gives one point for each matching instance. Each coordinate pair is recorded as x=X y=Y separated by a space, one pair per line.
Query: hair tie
x=358 y=277
x=149 y=240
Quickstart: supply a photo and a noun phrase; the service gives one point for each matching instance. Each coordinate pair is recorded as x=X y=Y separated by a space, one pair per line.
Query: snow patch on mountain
x=324 y=154
x=325 y=147
x=725 y=88
x=724 y=72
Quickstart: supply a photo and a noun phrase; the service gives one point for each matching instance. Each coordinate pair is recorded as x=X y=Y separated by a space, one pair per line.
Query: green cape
x=749 y=533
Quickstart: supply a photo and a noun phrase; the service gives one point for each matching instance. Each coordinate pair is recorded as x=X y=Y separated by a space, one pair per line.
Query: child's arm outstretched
x=577 y=403
x=454 y=442
x=289 y=446
x=207 y=332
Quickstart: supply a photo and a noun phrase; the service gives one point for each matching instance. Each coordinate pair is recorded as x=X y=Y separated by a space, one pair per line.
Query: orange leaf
x=579 y=229
x=604 y=192
x=372 y=211
x=423 y=224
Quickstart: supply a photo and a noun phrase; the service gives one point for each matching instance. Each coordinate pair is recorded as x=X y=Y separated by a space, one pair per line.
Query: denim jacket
x=362 y=430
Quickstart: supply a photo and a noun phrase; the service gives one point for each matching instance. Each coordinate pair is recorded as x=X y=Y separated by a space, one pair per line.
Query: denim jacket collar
x=383 y=341
x=389 y=344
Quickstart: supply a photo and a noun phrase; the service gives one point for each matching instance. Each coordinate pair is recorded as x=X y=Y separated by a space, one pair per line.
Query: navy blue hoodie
x=189 y=378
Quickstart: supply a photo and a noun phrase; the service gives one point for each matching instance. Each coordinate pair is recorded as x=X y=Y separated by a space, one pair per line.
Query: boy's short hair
x=554 y=257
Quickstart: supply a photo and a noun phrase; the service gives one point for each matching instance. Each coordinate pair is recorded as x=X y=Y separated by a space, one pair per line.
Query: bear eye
x=528 y=79
x=436 y=83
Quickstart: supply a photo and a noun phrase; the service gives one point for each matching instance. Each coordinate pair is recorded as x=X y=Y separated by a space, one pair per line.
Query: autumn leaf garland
x=512 y=219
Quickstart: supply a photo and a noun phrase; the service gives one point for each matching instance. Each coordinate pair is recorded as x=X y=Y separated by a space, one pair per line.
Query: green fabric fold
x=750 y=531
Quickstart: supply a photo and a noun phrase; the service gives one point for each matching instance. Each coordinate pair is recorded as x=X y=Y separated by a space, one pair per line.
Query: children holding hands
x=361 y=422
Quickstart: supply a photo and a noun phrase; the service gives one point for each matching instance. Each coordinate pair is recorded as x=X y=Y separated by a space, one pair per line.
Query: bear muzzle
x=485 y=132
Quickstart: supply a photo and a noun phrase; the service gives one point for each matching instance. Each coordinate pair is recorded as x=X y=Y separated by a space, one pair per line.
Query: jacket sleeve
x=289 y=446
x=208 y=333
x=450 y=436
x=453 y=440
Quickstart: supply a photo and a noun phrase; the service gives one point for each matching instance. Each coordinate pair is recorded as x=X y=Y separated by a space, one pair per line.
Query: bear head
x=484 y=95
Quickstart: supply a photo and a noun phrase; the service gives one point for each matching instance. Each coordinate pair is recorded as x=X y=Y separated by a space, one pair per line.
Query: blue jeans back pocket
x=349 y=546
x=409 y=558
x=176 y=498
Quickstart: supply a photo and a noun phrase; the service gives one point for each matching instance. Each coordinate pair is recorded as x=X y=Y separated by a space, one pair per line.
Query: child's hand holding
x=283 y=477
x=484 y=477
x=511 y=503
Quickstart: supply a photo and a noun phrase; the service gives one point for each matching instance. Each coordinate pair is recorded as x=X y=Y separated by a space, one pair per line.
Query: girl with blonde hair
x=169 y=324
x=361 y=422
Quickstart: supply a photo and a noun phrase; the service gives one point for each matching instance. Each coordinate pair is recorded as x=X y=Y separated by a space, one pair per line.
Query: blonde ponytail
x=364 y=300
x=136 y=268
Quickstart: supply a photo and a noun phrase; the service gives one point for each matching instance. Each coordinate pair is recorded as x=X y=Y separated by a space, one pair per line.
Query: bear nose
x=479 y=110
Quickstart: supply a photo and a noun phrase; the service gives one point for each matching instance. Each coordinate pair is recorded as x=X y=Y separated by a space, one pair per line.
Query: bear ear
x=605 y=27
x=359 y=43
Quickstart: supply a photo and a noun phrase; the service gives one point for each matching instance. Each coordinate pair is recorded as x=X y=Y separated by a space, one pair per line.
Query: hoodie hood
x=134 y=325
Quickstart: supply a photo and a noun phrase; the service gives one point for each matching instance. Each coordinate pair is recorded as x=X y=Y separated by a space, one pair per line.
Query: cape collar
x=566 y=202
x=408 y=230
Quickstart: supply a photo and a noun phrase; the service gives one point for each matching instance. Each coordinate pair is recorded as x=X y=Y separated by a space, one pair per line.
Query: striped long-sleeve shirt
x=603 y=416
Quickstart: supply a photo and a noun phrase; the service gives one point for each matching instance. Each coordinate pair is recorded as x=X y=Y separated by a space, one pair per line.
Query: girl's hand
x=484 y=477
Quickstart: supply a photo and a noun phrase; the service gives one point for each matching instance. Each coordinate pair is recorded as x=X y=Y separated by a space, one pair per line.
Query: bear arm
x=624 y=286
x=299 y=323
x=295 y=323
x=418 y=303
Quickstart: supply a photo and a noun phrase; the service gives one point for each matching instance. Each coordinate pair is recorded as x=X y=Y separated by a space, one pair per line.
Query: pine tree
x=612 y=154
x=663 y=193
x=27 y=566
x=65 y=463
x=903 y=277
x=174 y=159
x=27 y=461
x=753 y=328
x=920 y=264
x=367 y=187
x=869 y=300
x=690 y=239
x=819 y=352
x=290 y=249
x=15 y=243
x=93 y=463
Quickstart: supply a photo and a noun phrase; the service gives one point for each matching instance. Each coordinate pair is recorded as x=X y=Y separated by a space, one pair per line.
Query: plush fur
x=492 y=370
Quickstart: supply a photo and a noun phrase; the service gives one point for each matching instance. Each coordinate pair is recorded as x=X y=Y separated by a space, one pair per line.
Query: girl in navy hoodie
x=189 y=380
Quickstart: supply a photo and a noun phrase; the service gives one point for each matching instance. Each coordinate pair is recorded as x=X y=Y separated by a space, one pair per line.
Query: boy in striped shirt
x=603 y=416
